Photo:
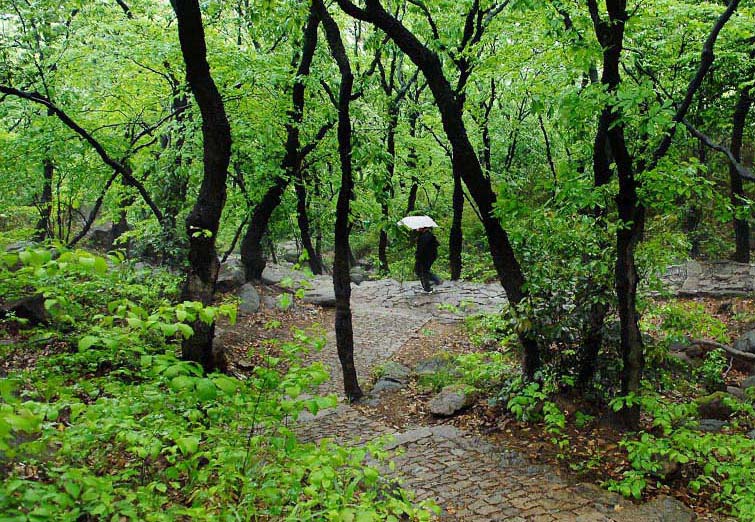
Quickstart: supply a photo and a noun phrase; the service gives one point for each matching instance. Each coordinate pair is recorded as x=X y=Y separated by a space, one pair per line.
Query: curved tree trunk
x=738 y=196
x=252 y=255
x=341 y=279
x=302 y=218
x=465 y=161
x=203 y=221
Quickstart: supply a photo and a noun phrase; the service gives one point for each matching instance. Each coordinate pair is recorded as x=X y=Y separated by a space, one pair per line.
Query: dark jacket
x=427 y=249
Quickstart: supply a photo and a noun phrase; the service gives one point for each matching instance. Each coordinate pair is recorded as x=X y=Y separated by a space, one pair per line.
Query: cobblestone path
x=470 y=478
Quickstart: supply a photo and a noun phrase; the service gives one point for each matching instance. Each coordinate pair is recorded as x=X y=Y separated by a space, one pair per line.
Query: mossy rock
x=715 y=406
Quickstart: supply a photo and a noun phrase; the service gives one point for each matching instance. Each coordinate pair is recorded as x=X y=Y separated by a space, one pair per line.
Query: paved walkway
x=470 y=478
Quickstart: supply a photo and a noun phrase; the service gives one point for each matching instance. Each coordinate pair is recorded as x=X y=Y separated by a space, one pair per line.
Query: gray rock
x=102 y=235
x=357 y=275
x=739 y=393
x=748 y=382
x=250 y=299
x=434 y=364
x=397 y=372
x=268 y=301
x=450 y=400
x=660 y=509
x=386 y=385
x=231 y=276
x=751 y=435
x=19 y=246
x=711 y=425
x=746 y=342
x=321 y=295
x=289 y=251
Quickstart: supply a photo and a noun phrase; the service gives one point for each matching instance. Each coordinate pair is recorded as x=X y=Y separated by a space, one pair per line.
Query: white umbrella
x=417 y=222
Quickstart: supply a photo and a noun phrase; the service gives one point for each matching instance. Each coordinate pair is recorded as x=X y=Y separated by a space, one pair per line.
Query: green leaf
x=181 y=382
x=188 y=445
x=206 y=390
x=87 y=342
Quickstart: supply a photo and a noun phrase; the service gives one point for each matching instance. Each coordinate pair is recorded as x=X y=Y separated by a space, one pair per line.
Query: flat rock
x=659 y=509
x=321 y=295
x=748 y=382
x=394 y=371
x=739 y=393
x=383 y=385
x=450 y=400
x=250 y=299
x=711 y=425
x=434 y=364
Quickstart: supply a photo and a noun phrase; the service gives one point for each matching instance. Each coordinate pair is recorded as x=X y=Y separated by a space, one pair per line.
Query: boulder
x=19 y=246
x=321 y=295
x=357 y=275
x=289 y=251
x=102 y=236
x=746 y=342
x=231 y=276
x=250 y=299
x=739 y=393
x=711 y=425
x=32 y=308
x=714 y=406
x=748 y=382
x=751 y=434
x=386 y=385
x=451 y=400
x=435 y=364
x=394 y=371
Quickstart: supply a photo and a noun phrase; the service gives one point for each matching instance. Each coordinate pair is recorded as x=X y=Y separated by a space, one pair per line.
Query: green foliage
x=118 y=427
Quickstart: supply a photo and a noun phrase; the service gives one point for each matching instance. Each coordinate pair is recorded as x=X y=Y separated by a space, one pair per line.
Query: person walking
x=425 y=256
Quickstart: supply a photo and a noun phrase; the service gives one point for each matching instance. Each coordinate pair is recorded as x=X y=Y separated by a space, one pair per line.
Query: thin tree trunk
x=456 y=238
x=203 y=221
x=341 y=278
x=252 y=255
x=388 y=186
x=738 y=196
x=44 y=226
x=302 y=218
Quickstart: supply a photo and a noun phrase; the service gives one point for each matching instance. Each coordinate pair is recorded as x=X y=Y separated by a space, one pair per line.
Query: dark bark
x=455 y=237
x=738 y=196
x=465 y=159
x=341 y=278
x=203 y=221
x=631 y=211
x=252 y=255
x=592 y=334
x=388 y=186
x=93 y=214
x=302 y=218
x=44 y=225
x=411 y=161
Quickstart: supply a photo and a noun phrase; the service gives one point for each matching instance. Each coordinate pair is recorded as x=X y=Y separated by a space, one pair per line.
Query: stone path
x=470 y=478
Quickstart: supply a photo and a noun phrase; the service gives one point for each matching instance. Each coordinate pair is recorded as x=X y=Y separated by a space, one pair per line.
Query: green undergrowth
x=670 y=450
x=109 y=424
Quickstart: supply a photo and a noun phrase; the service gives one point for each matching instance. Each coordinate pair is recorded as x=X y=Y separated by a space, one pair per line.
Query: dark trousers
x=426 y=276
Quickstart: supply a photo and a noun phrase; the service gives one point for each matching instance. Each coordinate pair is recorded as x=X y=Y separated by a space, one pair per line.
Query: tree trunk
x=252 y=255
x=44 y=226
x=388 y=186
x=302 y=218
x=456 y=237
x=465 y=161
x=203 y=221
x=341 y=278
x=592 y=334
x=738 y=196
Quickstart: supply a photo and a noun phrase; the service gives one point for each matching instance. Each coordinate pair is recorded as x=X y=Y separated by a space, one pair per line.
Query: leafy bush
x=117 y=427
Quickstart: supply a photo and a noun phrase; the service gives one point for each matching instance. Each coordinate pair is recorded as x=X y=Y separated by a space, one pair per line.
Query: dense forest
x=160 y=160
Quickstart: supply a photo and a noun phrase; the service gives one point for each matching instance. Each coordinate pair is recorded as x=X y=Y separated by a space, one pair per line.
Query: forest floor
x=477 y=466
